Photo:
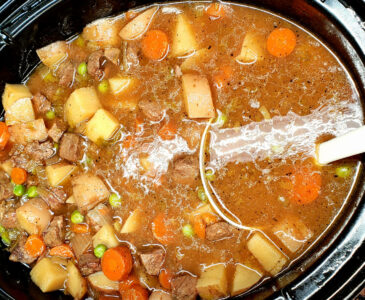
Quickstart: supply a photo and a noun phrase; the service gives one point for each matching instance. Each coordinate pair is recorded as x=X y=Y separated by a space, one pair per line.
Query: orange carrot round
x=80 y=228
x=306 y=185
x=216 y=11
x=162 y=229
x=199 y=226
x=126 y=284
x=117 y=263
x=168 y=130
x=136 y=292
x=62 y=251
x=155 y=44
x=4 y=135
x=281 y=42
x=164 y=278
x=34 y=245
x=18 y=175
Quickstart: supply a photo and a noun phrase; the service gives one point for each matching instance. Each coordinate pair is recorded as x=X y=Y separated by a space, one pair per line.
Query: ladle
x=340 y=147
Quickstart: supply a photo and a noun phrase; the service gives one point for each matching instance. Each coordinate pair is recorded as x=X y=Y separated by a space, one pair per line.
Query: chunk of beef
x=66 y=73
x=151 y=109
x=219 y=231
x=8 y=214
x=6 y=190
x=99 y=216
x=160 y=295
x=131 y=56
x=113 y=55
x=70 y=147
x=192 y=132
x=19 y=254
x=54 y=197
x=55 y=233
x=39 y=151
x=57 y=129
x=41 y=103
x=153 y=261
x=184 y=287
x=95 y=64
x=185 y=170
x=89 y=264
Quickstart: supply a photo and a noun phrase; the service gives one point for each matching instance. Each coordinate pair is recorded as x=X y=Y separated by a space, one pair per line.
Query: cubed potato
x=101 y=283
x=292 y=232
x=88 y=191
x=76 y=285
x=244 y=278
x=253 y=48
x=197 y=96
x=212 y=283
x=101 y=126
x=103 y=32
x=183 y=39
x=139 y=25
x=24 y=133
x=106 y=236
x=48 y=276
x=81 y=105
x=120 y=84
x=268 y=255
x=14 y=92
x=33 y=216
x=7 y=166
x=20 y=111
x=199 y=58
x=133 y=222
x=59 y=173
x=53 y=54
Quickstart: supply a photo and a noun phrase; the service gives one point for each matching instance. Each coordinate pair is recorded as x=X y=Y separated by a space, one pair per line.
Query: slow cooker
x=335 y=267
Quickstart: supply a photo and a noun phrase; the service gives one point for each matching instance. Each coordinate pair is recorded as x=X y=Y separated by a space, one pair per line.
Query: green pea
x=2 y=229
x=115 y=200
x=89 y=160
x=77 y=217
x=99 y=250
x=32 y=192
x=103 y=86
x=19 y=190
x=343 y=171
x=188 y=230
x=82 y=69
x=201 y=194
x=5 y=238
x=221 y=120
x=210 y=175
x=50 y=115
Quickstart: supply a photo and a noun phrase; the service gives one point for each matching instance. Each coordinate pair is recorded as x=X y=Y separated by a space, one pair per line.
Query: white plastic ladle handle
x=349 y=144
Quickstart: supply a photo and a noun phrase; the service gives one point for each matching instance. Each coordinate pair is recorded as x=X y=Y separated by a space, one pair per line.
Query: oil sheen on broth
x=276 y=108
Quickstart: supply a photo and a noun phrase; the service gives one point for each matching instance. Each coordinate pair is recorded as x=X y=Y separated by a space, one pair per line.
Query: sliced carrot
x=117 y=263
x=168 y=130
x=216 y=11
x=209 y=218
x=139 y=125
x=281 y=42
x=80 y=228
x=164 y=278
x=18 y=175
x=136 y=292
x=129 y=142
x=62 y=251
x=223 y=76
x=199 y=226
x=4 y=135
x=155 y=44
x=162 y=229
x=126 y=284
x=306 y=185
x=34 y=245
